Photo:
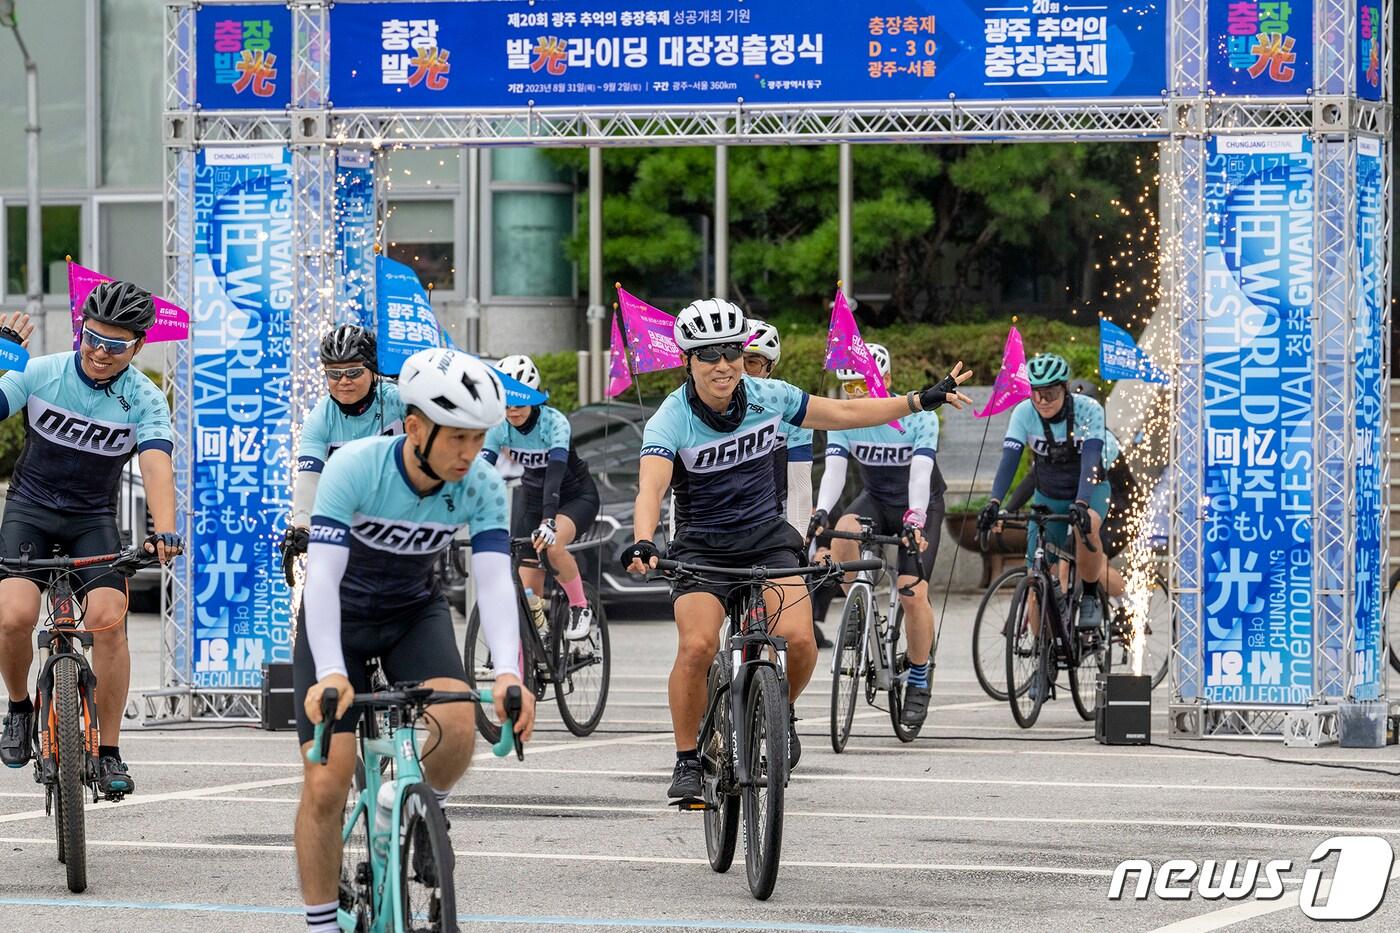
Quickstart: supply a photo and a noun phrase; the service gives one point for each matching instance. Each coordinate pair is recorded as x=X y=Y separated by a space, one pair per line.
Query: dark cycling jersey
x=78 y=434
x=724 y=479
x=1070 y=451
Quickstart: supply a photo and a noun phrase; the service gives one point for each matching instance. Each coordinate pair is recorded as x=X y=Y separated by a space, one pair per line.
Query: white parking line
x=140 y=801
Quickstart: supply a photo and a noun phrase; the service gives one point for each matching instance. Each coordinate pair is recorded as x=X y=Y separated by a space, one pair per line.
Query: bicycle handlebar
x=761 y=574
x=867 y=537
x=420 y=697
x=1037 y=516
x=126 y=562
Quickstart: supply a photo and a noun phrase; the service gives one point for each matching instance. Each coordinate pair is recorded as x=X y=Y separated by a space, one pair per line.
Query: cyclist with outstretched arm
x=386 y=509
x=713 y=438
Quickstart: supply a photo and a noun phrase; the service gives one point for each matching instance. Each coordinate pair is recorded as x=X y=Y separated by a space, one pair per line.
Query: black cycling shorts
x=889 y=520
x=413 y=644
x=581 y=509
x=774 y=543
x=77 y=534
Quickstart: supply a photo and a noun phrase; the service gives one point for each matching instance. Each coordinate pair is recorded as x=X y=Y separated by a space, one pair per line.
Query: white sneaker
x=580 y=623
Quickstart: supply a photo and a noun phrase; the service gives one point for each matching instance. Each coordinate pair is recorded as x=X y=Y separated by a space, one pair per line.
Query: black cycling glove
x=174 y=544
x=818 y=523
x=12 y=335
x=1079 y=517
x=640 y=550
x=295 y=542
x=937 y=394
x=987 y=518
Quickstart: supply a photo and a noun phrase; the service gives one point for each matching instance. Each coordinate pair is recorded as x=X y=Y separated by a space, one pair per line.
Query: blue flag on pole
x=406 y=320
x=13 y=357
x=518 y=393
x=1120 y=358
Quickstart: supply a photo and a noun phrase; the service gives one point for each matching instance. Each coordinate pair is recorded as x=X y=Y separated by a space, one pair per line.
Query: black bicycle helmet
x=121 y=304
x=349 y=343
x=1084 y=387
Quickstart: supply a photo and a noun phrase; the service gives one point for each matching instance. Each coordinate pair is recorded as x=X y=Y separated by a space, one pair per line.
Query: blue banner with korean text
x=407 y=323
x=355 y=228
x=554 y=53
x=243 y=56
x=1260 y=47
x=1258 y=420
x=1370 y=554
x=241 y=432
x=1370 y=33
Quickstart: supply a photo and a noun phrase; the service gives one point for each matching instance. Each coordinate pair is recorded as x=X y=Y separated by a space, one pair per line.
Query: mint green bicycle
x=397 y=877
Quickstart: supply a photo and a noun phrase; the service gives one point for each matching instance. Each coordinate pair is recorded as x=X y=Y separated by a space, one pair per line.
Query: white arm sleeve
x=304 y=497
x=920 y=476
x=799 y=495
x=500 y=615
x=325 y=568
x=833 y=481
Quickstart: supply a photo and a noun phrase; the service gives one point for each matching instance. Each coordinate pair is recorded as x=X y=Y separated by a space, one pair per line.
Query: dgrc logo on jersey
x=741 y=448
x=403 y=537
x=883 y=454
x=530 y=459
x=80 y=433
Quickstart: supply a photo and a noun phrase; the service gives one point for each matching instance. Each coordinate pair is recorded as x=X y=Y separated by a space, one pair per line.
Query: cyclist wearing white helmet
x=561 y=500
x=385 y=510
x=903 y=495
x=792 y=460
x=714 y=438
x=1071 y=449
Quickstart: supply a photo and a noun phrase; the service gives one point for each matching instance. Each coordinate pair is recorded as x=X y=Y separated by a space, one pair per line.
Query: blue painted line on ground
x=665 y=922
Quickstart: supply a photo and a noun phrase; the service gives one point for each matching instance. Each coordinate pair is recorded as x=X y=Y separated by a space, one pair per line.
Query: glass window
x=527 y=165
x=421 y=234
x=130 y=243
x=422 y=168
x=55 y=32
x=528 y=230
x=132 y=93
x=63 y=237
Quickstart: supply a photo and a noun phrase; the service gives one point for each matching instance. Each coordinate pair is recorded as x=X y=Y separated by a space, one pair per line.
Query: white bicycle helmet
x=763 y=340
x=710 y=321
x=520 y=368
x=882 y=359
x=452 y=389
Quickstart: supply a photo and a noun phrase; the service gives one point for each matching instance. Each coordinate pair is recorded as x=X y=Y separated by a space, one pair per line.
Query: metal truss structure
x=1180 y=121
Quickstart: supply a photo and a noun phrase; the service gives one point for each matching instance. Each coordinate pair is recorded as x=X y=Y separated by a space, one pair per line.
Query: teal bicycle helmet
x=1048 y=369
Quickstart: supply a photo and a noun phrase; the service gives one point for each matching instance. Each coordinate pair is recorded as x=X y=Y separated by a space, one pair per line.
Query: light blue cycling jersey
x=366 y=503
x=533 y=446
x=724 y=480
x=327 y=428
x=1027 y=427
x=884 y=454
x=78 y=434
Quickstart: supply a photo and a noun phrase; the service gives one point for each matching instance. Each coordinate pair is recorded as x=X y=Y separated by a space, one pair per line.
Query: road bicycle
x=579 y=671
x=398 y=877
x=743 y=736
x=66 y=727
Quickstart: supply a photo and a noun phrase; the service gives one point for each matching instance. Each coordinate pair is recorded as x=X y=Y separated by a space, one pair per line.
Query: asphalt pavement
x=978 y=825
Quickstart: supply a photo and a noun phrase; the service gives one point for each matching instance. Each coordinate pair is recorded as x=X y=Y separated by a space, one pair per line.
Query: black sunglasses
x=712 y=354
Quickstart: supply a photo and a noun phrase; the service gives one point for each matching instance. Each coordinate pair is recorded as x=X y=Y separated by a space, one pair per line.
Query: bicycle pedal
x=691 y=805
x=114 y=796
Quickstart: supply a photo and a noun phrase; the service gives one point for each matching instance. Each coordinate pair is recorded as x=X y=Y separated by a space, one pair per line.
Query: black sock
x=691 y=755
x=109 y=751
x=1091 y=589
x=22 y=706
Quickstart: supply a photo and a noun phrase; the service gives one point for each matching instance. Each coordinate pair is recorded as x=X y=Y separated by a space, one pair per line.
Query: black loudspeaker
x=278 y=709
x=1123 y=713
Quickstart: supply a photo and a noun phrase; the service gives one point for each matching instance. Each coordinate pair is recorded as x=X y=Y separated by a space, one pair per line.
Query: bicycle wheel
x=766 y=709
x=428 y=900
x=581 y=668
x=846 y=677
x=722 y=815
x=356 y=893
x=988 y=643
x=481 y=671
x=1027 y=654
x=1095 y=659
x=72 y=771
x=899 y=678
x=1392 y=621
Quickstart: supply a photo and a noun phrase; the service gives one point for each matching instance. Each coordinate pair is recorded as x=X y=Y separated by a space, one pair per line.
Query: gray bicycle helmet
x=121 y=304
x=349 y=343
x=1084 y=387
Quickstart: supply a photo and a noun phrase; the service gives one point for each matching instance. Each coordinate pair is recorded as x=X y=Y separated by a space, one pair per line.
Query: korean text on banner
x=407 y=323
x=1258 y=421
x=1013 y=382
x=241 y=431
x=244 y=56
x=1120 y=357
x=650 y=333
x=670 y=52
x=1260 y=47
x=1369 y=559
x=172 y=323
x=355 y=224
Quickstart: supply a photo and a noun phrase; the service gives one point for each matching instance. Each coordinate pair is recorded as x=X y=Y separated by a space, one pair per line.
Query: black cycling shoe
x=16 y=742
x=113 y=777
x=686 y=779
x=915 y=709
x=794 y=746
x=1090 y=613
x=822 y=640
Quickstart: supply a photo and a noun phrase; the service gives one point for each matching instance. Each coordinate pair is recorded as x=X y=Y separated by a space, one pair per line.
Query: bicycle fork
x=55 y=646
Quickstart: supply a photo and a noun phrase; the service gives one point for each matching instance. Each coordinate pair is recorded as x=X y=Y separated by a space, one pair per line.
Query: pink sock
x=574 y=590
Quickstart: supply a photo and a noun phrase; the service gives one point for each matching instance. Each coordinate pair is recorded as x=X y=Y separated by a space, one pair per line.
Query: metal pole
x=722 y=221
x=34 y=292
x=844 y=219
x=596 y=311
x=473 y=310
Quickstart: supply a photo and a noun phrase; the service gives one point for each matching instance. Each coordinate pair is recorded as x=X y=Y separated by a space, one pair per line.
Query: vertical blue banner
x=354 y=237
x=241 y=431
x=407 y=323
x=243 y=56
x=1370 y=564
x=1370 y=53
x=1260 y=47
x=1258 y=420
